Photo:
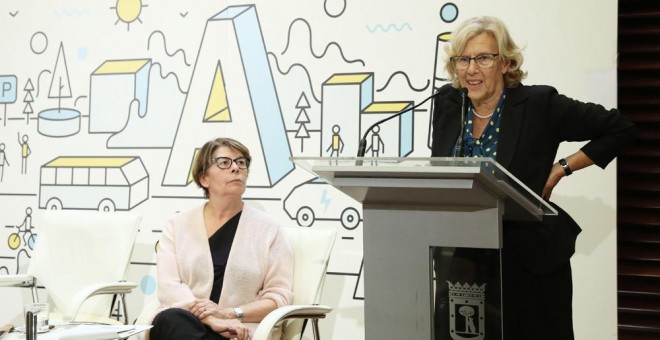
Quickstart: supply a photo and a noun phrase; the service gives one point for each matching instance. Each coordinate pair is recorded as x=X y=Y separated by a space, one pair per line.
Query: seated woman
x=222 y=266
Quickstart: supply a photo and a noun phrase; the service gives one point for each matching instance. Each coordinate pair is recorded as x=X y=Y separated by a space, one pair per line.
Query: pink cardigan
x=260 y=264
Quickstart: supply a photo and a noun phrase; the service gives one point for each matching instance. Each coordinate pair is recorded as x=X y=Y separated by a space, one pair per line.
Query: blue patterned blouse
x=486 y=144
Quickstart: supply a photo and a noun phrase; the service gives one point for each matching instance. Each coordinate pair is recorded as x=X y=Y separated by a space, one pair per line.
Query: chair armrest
x=289 y=312
x=77 y=300
x=20 y=280
x=111 y=288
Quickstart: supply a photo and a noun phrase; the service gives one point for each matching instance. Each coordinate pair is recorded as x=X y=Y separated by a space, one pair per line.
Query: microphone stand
x=458 y=152
x=362 y=147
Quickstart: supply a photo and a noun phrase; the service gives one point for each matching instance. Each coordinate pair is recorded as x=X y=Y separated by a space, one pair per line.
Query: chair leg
x=35 y=296
x=315 y=329
x=123 y=304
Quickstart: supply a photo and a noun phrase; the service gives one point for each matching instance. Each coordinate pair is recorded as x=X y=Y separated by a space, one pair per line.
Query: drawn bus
x=101 y=183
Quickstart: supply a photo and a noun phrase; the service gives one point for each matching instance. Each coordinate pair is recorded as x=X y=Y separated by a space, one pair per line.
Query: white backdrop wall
x=93 y=80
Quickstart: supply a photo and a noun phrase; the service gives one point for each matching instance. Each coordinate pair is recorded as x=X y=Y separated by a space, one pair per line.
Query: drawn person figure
x=337 y=144
x=26 y=227
x=376 y=142
x=25 y=152
x=3 y=160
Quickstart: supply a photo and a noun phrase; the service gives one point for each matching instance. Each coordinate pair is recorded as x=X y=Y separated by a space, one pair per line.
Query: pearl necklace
x=480 y=116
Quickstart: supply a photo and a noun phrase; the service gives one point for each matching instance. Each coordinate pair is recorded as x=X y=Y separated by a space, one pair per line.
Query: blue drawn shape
x=7 y=89
x=82 y=53
x=139 y=131
x=59 y=122
x=72 y=12
x=261 y=87
x=32 y=240
x=389 y=27
x=325 y=200
x=148 y=285
x=252 y=98
x=449 y=12
x=406 y=134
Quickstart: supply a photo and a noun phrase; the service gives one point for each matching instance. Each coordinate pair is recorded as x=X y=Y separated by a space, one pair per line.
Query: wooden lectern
x=414 y=208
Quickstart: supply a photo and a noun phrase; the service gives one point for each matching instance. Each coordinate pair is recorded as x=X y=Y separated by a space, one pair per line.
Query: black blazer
x=534 y=121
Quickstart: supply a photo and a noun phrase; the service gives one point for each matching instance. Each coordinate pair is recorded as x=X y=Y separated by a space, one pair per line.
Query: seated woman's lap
x=180 y=324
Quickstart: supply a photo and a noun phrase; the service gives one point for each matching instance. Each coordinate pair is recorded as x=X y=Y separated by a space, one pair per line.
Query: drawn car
x=317 y=200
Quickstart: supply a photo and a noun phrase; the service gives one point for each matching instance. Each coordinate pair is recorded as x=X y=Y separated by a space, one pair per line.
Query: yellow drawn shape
x=14 y=241
x=445 y=37
x=386 y=107
x=190 y=174
x=89 y=162
x=128 y=10
x=354 y=78
x=217 y=108
x=121 y=66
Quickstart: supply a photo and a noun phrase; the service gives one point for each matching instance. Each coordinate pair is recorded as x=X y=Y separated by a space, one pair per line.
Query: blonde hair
x=507 y=48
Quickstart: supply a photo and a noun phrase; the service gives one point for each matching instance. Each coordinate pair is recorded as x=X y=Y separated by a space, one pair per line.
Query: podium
x=421 y=217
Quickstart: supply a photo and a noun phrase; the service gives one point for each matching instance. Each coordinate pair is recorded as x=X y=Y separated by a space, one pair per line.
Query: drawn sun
x=128 y=11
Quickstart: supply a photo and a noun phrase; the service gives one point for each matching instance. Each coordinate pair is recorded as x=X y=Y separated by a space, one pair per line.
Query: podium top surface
x=437 y=172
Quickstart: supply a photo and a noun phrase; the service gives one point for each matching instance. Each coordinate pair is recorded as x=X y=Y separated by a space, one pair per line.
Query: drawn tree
x=302 y=119
x=60 y=86
x=27 y=110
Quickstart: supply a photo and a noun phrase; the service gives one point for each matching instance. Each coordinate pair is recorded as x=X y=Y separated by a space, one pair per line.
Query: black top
x=220 y=243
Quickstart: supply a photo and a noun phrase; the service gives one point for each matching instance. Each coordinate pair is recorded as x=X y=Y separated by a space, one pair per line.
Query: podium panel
x=432 y=238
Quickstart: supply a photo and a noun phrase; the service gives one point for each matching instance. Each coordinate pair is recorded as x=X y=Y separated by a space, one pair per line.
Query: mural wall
x=104 y=104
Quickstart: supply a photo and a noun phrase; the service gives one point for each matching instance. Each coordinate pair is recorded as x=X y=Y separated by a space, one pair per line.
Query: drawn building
x=113 y=87
x=348 y=98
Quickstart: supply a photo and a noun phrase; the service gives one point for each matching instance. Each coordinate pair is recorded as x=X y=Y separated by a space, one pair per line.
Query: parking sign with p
x=7 y=89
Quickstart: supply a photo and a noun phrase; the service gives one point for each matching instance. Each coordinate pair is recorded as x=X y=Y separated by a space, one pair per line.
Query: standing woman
x=222 y=266
x=521 y=127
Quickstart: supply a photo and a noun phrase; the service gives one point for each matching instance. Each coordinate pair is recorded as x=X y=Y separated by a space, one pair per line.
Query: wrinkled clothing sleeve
x=278 y=282
x=171 y=289
x=608 y=131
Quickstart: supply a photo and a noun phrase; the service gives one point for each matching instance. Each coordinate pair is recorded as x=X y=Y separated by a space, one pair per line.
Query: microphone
x=362 y=147
x=458 y=152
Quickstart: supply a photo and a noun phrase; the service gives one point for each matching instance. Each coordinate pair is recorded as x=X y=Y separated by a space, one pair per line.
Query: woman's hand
x=556 y=173
x=230 y=329
x=202 y=308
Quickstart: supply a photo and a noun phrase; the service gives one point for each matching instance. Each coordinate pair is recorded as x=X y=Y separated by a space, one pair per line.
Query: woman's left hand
x=556 y=173
x=202 y=308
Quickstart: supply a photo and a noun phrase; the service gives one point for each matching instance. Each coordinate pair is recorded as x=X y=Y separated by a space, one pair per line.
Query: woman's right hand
x=231 y=329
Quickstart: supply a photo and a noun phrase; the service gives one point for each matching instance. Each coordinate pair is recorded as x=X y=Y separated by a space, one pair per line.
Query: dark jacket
x=536 y=256
x=535 y=120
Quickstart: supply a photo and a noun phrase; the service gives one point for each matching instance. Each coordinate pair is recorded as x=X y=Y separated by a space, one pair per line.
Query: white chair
x=78 y=255
x=311 y=251
x=311 y=248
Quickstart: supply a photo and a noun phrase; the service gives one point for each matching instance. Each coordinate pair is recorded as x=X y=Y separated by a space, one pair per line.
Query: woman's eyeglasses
x=482 y=61
x=225 y=162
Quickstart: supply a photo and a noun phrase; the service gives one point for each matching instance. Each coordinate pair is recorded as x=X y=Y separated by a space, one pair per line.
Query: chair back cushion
x=76 y=249
x=311 y=251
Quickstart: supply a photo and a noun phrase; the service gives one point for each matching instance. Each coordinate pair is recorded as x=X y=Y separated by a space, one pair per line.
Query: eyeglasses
x=482 y=61
x=225 y=162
